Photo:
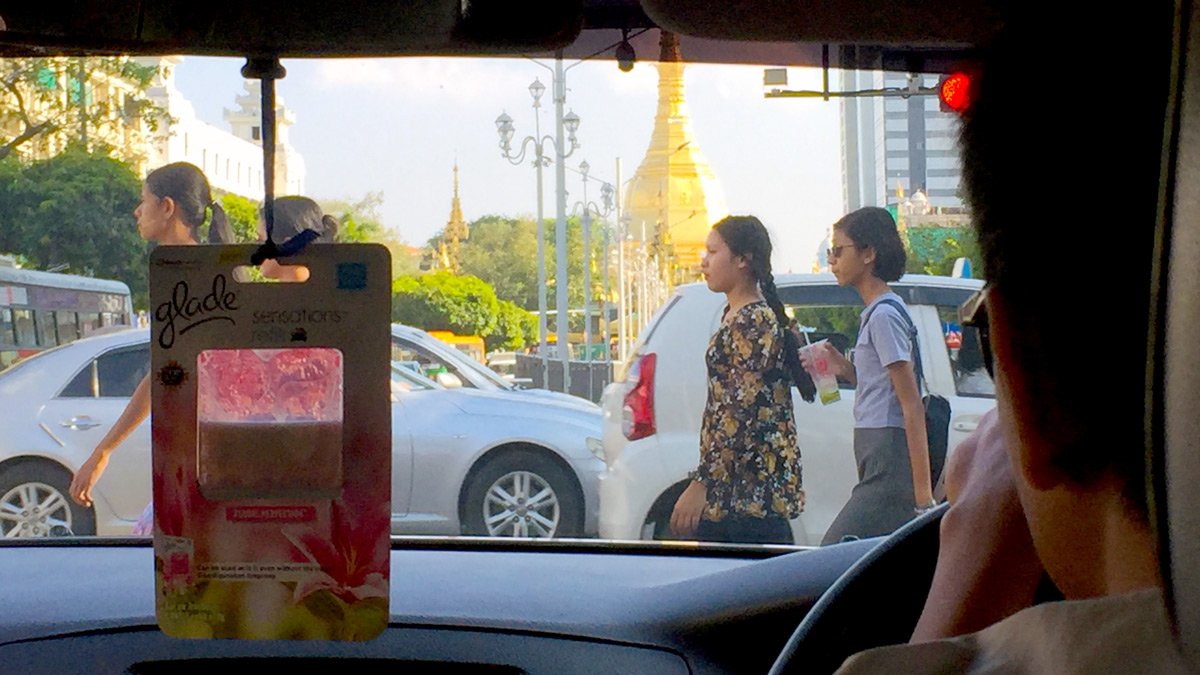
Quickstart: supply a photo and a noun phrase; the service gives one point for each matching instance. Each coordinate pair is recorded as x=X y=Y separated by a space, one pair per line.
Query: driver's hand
x=987 y=568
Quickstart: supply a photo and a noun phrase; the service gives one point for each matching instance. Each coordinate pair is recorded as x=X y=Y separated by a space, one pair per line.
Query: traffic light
x=954 y=92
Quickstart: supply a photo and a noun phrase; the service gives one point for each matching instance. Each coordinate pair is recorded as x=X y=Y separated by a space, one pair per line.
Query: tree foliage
x=515 y=328
x=43 y=96
x=933 y=250
x=75 y=210
x=360 y=220
x=463 y=304
x=441 y=301
x=243 y=216
x=503 y=252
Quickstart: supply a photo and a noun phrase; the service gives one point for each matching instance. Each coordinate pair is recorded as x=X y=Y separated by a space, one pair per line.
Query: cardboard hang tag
x=271 y=444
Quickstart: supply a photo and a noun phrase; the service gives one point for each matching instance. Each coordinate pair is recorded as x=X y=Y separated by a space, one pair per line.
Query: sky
x=398 y=125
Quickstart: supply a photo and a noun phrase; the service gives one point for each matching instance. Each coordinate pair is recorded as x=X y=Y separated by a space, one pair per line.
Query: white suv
x=652 y=411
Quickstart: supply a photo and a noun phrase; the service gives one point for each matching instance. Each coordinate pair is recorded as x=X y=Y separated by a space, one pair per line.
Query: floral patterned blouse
x=749 y=456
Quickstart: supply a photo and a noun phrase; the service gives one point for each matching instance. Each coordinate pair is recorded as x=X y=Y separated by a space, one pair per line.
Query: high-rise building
x=893 y=146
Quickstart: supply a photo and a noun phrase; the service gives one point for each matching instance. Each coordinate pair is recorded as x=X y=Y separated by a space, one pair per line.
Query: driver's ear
x=169 y=206
x=1032 y=453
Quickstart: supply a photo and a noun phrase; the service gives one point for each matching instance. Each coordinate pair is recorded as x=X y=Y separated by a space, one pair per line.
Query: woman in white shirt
x=891 y=449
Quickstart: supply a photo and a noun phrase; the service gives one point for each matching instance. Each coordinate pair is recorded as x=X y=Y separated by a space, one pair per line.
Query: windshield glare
x=644 y=396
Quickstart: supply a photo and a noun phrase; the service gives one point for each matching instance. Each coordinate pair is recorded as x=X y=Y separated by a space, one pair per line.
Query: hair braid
x=791 y=343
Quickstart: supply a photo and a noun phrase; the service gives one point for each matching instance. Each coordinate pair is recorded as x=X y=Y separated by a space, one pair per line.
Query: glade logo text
x=192 y=311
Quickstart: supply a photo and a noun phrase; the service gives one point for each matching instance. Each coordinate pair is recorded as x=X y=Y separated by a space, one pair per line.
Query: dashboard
x=457 y=606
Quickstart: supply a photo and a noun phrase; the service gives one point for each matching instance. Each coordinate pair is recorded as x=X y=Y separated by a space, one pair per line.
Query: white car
x=451 y=368
x=464 y=460
x=652 y=411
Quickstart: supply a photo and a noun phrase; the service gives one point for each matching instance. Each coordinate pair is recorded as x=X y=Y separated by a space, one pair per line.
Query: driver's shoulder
x=1124 y=633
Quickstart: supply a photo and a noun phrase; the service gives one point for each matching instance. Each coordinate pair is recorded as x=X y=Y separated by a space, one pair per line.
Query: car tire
x=32 y=485
x=500 y=489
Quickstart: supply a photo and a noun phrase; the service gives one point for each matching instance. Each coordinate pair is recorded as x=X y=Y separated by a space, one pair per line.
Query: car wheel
x=35 y=502
x=521 y=493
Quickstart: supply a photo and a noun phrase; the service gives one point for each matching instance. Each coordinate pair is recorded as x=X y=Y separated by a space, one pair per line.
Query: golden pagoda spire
x=455 y=232
x=674 y=196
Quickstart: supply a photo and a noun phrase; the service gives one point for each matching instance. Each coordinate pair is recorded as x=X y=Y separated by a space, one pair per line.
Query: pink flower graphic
x=353 y=561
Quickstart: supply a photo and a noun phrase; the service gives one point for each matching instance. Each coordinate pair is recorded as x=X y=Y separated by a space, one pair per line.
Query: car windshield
x=443 y=160
x=433 y=356
x=404 y=377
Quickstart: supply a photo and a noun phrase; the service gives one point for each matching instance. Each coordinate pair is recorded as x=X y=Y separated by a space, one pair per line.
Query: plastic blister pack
x=269 y=423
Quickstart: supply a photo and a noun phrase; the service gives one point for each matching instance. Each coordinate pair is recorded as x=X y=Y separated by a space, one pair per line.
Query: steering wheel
x=876 y=602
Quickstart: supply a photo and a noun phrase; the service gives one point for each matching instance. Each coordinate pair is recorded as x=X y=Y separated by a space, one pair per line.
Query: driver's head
x=1062 y=148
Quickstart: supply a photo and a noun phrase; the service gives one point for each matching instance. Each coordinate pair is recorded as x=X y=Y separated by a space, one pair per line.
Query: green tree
x=44 y=95
x=243 y=216
x=360 y=220
x=503 y=252
x=515 y=328
x=76 y=209
x=933 y=250
x=466 y=305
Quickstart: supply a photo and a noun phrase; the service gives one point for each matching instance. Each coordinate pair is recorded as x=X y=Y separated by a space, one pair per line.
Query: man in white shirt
x=1056 y=480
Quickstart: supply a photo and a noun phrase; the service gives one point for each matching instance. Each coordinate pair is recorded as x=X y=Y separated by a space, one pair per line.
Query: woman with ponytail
x=891 y=448
x=748 y=484
x=176 y=202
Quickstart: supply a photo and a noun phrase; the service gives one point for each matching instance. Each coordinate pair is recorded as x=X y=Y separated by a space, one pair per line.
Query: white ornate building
x=231 y=158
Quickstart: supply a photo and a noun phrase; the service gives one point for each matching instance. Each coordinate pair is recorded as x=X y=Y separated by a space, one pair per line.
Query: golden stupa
x=674 y=198
x=449 y=246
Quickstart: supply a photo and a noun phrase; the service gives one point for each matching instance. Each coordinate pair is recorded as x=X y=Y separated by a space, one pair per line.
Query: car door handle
x=80 y=423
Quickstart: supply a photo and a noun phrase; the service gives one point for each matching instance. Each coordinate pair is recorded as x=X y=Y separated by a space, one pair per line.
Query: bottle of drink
x=818 y=365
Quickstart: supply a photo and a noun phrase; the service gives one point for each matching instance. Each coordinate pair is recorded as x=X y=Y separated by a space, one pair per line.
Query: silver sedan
x=465 y=461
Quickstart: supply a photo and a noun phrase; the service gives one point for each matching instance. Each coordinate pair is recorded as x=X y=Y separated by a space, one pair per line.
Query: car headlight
x=596 y=446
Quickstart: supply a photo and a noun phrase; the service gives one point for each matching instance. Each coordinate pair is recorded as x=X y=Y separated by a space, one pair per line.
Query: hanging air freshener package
x=271 y=444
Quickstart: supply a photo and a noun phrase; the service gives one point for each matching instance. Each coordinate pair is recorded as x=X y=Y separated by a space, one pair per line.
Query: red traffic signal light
x=954 y=92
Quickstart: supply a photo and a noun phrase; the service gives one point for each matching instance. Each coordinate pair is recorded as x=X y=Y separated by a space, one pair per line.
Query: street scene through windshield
x=643 y=299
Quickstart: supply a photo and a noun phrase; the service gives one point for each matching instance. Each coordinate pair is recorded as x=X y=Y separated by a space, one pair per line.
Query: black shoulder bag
x=937 y=408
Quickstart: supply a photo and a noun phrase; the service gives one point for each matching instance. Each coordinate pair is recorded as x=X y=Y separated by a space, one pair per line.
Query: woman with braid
x=748 y=483
x=890 y=445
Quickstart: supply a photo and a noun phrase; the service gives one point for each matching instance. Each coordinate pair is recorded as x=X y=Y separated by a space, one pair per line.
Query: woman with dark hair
x=890 y=445
x=294 y=216
x=748 y=484
x=176 y=202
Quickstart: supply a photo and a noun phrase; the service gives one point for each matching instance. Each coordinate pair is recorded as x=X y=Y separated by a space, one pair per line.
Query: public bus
x=39 y=310
x=471 y=345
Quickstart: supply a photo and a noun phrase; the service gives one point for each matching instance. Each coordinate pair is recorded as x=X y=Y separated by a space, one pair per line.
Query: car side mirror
x=449 y=380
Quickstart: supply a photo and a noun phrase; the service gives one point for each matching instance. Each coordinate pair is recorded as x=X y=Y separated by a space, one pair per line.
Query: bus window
x=55 y=309
x=47 y=333
x=6 y=325
x=88 y=322
x=26 y=333
x=68 y=329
